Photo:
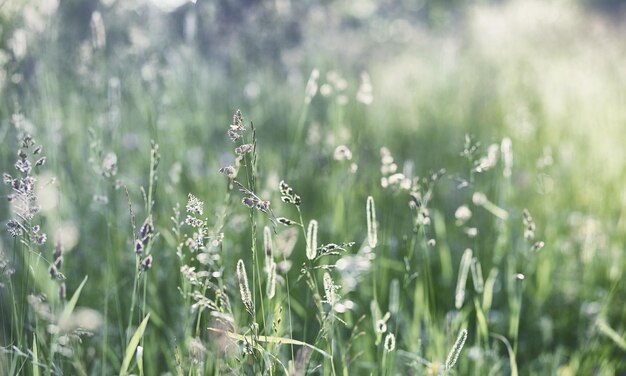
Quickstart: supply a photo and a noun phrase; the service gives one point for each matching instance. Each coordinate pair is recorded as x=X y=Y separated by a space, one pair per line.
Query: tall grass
x=452 y=211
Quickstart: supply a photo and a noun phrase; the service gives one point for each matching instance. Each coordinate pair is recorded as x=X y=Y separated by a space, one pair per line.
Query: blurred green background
x=92 y=77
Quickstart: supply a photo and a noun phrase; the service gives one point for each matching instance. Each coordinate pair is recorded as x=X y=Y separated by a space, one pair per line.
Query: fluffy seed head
x=364 y=94
x=197 y=350
x=479 y=199
x=342 y=153
x=311 y=86
x=462 y=214
x=109 y=165
x=194 y=205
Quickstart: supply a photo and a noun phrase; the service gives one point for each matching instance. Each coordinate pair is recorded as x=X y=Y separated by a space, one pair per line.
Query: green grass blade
x=132 y=345
x=35 y=357
x=483 y=328
x=271 y=339
x=611 y=333
x=512 y=360
x=69 y=308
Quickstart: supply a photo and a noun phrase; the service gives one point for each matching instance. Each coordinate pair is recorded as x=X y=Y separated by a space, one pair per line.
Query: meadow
x=329 y=188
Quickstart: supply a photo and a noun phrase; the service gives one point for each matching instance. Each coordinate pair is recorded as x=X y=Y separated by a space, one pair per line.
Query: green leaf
x=69 y=308
x=132 y=345
x=65 y=316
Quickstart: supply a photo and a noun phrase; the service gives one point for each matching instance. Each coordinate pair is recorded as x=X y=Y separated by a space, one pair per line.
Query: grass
x=455 y=210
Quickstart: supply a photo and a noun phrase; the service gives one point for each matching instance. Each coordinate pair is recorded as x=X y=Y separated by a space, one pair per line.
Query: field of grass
x=381 y=197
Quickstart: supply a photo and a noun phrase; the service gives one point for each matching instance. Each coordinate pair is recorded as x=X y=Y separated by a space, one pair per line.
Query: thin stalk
x=251 y=180
x=289 y=310
x=133 y=299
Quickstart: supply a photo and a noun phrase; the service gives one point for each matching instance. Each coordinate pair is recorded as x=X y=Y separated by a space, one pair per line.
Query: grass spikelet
x=390 y=342
x=381 y=326
x=454 y=353
x=372 y=230
x=311 y=240
x=244 y=289
x=459 y=295
x=311 y=86
x=271 y=281
x=329 y=289
x=268 y=247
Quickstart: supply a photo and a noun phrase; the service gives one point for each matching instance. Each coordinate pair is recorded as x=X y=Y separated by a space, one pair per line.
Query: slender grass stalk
x=516 y=309
x=512 y=358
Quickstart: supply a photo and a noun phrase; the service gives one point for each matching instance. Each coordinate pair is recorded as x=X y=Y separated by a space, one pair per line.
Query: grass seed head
x=372 y=226
x=268 y=247
x=390 y=342
x=381 y=326
x=311 y=241
x=62 y=291
x=454 y=353
x=244 y=289
x=243 y=149
x=329 y=289
x=146 y=264
x=271 y=281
